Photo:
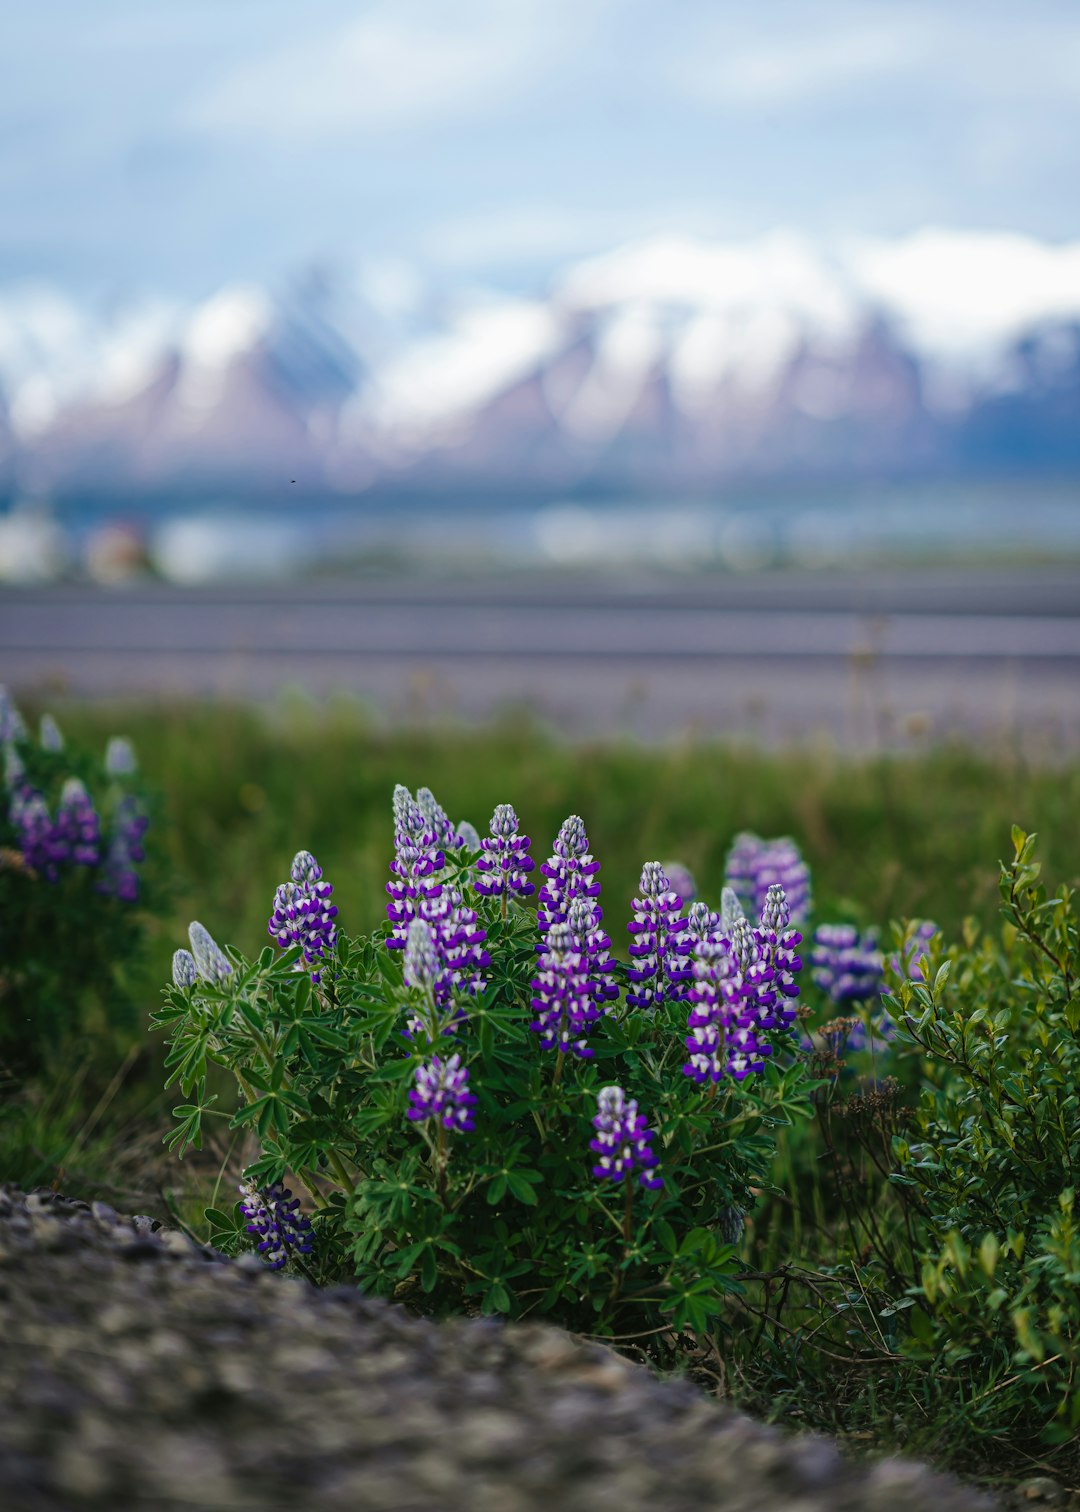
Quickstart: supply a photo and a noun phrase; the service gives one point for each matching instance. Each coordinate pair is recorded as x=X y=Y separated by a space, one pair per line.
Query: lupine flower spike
x=184 y=973
x=51 y=738
x=275 y=1219
x=562 y=993
x=417 y=860
x=442 y=1092
x=504 y=866
x=119 y=757
x=779 y=944
x=125 y=850
x=623 y=1140
x=846 y=965
x=438 y=820
x=572 y=873
x=709 y=1017
x=303 y=914
x=211 y=962
x=753 y=865
x=12 y=725
x=658 y=946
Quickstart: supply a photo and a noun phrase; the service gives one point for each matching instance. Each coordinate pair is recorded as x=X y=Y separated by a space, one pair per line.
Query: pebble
x=139 y=1376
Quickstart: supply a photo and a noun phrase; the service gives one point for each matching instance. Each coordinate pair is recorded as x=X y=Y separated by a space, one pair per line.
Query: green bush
x=990 y=1164
x=508 y=1217
x=71 y=895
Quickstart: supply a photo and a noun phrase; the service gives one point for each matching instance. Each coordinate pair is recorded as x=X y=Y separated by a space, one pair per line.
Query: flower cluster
x=442 y=1092
x=623 y=1140
x=742 y=986
x=658 y=945
x=846 y=965
x=417 y=891
x=275 y=1219
x=505 y=862
x=562 y=993
x=52 y=842
x=417 y=858
x=572 y=874
x=73 y=838
x=438 y=821
x=754 y=865
x=303 y=914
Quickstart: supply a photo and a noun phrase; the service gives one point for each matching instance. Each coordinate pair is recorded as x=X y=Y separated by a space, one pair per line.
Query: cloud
x=404 y=63
x=788 y=56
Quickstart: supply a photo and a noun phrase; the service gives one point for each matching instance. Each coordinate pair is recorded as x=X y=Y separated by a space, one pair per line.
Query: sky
x=173 y=146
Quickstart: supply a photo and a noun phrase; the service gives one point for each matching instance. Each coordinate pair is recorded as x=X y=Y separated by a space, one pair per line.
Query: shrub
x=490 y=1112
x=71 y=847
x=990 y=1166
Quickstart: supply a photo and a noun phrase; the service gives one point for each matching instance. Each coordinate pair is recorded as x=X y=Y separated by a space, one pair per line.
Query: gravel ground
x=137 y=1370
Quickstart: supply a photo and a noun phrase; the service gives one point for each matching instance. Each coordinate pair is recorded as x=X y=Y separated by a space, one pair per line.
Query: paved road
x=867 y=660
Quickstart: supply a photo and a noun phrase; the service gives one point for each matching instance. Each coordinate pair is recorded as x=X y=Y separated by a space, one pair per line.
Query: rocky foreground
x=138 y=1370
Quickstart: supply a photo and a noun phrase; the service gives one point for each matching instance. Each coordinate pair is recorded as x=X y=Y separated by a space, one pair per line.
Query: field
x=238 y=792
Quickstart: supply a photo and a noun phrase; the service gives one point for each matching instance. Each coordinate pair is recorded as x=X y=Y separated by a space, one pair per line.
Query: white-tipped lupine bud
x=730 y=909
x=184 y=973
x=211 y=962
x=469 y=836
x=51 y=738
x=120 y=757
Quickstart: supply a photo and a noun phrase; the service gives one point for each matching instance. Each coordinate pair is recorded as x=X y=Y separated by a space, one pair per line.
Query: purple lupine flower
x=572 y=876
x=571 y=873
x=120 y=756
x=778 y=943
x=184 y=973
x=701 y=924
x=442 y=1092
x=658 y=945
x=30 y=817
x=905 y=963
x=125 y=850
x=710 y=1015
x=77 y=829
x=623 y=1140
x=211 y=962
x=562 y=993
x=459 y=938
x=275 y=1219
x=753 y=865
x=418 y=858
x=846 y=965
x=754 y=982
x=506 y=861
x=586 y=920
x=51 y=738
x=303 y=914
x=438 y=820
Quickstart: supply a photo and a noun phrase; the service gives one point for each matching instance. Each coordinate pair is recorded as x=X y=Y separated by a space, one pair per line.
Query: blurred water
x=218 y=540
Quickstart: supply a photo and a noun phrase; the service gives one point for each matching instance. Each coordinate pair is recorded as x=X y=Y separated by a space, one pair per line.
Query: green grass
x=891 y=836
x=242 y=790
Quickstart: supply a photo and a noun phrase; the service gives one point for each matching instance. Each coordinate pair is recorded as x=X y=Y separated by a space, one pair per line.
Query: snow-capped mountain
x=669 y=363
